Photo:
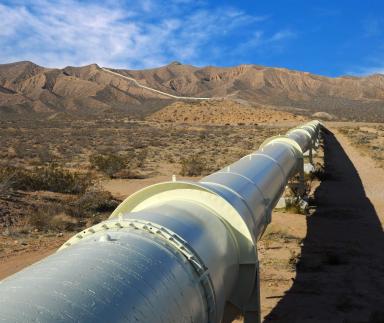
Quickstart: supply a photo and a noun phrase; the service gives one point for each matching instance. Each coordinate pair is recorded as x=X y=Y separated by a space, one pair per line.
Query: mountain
x=28 y=89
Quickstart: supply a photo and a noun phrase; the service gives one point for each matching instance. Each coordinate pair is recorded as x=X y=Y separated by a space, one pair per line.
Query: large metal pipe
x=172 y=252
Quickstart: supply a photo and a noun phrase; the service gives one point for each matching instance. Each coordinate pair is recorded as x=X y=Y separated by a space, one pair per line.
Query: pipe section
x=172 y=252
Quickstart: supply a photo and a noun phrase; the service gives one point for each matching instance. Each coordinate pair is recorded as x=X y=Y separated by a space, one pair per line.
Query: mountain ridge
x=27 y=88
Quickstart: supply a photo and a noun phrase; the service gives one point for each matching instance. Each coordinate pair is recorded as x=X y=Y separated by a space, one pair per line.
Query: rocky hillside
x=26 y=88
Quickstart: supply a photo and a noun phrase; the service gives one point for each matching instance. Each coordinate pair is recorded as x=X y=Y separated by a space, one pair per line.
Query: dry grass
x=145 y=146
x=193 y=166
x=44 y=178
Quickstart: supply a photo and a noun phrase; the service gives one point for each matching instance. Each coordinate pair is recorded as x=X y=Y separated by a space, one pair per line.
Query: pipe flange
x=171 y=238
x=189 y=253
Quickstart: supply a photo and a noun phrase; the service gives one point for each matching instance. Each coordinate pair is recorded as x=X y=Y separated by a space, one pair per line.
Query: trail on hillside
x=340 y=275
x=137 y=83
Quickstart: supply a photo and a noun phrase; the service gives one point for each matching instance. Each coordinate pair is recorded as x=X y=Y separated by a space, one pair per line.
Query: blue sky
x=323 y=37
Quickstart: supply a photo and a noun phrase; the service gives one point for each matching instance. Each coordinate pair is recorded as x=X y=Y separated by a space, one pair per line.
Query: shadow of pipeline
x=340 y=274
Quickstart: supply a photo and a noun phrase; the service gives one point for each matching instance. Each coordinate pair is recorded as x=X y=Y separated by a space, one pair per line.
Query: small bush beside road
x=45 y=178
x=193 y=166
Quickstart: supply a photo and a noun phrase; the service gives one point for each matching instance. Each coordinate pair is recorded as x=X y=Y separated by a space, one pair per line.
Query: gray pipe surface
x=172 y=252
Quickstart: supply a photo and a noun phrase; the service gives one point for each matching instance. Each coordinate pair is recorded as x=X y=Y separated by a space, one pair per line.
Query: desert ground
x=59 y=175
x=324 y=265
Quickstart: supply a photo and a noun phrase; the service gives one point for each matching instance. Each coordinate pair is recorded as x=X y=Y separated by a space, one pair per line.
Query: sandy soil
x=122 y=188
x=278 y=251
x=24 y=253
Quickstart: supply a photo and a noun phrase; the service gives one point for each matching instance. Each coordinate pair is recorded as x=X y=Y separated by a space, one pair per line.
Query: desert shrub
x=293 y=206
x=59 y=216
x=364 y=138
x=41 y=218
x=47 y=178
x=277 y=233
x=23 y=150
x=140 y=157
x=192 y=166
x=51 y=217
x=122 y=166
x=319 y=173
x=93 y=201
x=56 y=179
x=109 y=164
x=138 y=144
x=170 y=158
x=63 y=222
x=44 y=155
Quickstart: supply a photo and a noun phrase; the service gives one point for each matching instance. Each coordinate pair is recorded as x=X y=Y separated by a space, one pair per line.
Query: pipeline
x=176 y=251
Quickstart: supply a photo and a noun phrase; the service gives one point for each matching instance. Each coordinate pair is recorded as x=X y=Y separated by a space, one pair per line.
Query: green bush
x=192 y=166
x=110 y=164
x=47 y=178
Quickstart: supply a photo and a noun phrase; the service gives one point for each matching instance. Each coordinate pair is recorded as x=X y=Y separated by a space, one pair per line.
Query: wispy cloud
x=261 y=41
x=371 y=64
x=282 y=35
x=142 y=34
x=366 y=70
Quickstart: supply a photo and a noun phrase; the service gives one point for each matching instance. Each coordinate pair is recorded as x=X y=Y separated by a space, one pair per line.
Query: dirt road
x=15 y=257
x=371 y=176
x=340 y=275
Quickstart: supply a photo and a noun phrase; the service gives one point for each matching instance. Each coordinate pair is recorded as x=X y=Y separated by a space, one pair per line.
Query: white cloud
x=365 y=71
x=282 y=35
x=260 y=41
x=65 y=33
x=142 y=34
x=372 y=64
